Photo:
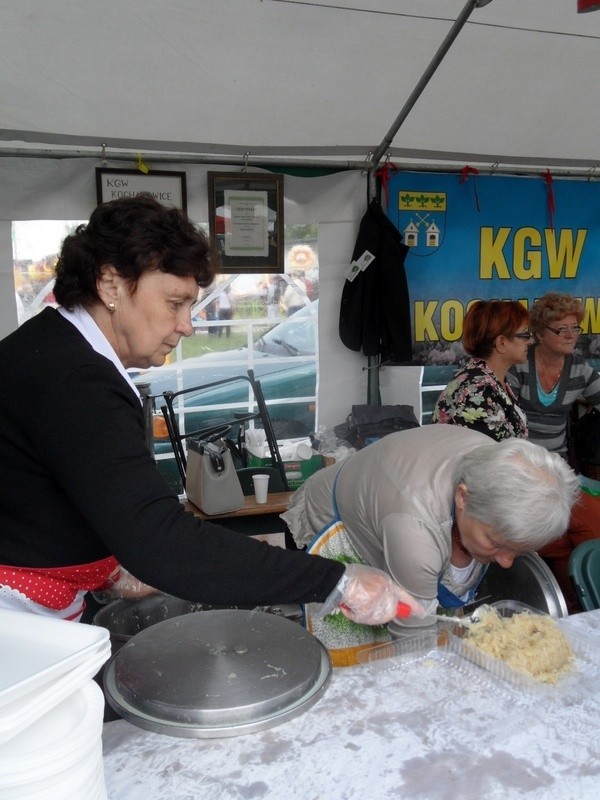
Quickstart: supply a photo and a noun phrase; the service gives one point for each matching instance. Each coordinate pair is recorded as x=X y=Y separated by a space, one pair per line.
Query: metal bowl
x=126 y=618
x=218 y=674
x=528 y=581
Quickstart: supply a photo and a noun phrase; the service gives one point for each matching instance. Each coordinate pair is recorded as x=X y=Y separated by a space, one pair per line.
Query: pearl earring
x=112 y=308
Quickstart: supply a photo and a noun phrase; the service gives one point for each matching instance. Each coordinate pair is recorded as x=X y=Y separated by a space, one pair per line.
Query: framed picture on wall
x=167 y=187
x=245 y=212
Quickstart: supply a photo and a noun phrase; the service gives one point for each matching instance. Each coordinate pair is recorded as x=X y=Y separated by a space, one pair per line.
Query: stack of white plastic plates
x=60 y=754
x=51 y=711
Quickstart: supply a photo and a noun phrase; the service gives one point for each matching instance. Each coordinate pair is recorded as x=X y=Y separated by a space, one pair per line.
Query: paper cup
x=261 y=485
x=304 y=451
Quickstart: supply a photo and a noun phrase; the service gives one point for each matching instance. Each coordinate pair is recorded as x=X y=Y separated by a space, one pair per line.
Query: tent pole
x=425 y=78
x=373 y=388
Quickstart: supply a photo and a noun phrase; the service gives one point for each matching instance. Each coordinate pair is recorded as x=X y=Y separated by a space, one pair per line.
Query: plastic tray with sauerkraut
x=523 y=646
x=546 y=656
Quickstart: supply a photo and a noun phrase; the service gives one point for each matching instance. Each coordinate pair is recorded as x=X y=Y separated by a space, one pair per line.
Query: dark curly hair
x=134 y=235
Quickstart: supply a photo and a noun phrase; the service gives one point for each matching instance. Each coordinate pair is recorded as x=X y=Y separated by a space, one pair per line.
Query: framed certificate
x=246 y=221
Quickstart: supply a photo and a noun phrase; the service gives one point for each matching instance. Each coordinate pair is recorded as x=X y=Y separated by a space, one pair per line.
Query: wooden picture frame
x=167 y=187
x=246 y=221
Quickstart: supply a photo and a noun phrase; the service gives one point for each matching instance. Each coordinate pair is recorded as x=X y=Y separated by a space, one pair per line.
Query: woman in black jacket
x=79 y=492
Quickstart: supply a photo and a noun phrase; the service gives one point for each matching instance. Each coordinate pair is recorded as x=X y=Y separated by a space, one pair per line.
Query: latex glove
x=123 y=585
x=130 y=588
x=369 y=596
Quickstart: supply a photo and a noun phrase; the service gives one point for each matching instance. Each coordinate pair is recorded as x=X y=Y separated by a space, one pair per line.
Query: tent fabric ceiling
x=302 y=78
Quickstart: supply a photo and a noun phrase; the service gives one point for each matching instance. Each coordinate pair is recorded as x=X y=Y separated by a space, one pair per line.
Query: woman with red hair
x=495 y=336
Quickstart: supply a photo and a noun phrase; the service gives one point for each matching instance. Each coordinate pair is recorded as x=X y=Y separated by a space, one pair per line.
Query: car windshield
x=295 y=337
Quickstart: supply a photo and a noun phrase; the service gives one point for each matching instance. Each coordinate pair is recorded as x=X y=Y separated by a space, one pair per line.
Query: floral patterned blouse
x=476 y=399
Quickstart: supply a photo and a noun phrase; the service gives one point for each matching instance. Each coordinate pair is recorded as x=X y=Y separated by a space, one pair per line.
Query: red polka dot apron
x=57 y=587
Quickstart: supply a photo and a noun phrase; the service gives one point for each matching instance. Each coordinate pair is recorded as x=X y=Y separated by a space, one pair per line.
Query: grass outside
x=202 y=342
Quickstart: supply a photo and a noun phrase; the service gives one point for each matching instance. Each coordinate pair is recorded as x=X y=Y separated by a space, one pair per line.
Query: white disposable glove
x=369 y=596
x=131 y=588
x=123 y=585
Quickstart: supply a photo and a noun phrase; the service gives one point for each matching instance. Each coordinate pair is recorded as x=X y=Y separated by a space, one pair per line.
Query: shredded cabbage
x=529 y=643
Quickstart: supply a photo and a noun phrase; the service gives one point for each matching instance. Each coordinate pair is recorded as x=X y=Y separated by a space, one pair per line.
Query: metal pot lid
x=220 y=673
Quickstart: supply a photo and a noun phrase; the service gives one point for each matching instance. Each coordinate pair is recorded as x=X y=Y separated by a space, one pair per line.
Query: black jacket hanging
x=375 y=307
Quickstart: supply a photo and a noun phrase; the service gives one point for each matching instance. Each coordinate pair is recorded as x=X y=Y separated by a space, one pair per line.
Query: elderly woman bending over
x=433 y=506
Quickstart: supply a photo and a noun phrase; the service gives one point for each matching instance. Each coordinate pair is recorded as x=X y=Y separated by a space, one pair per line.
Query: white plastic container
x=25 y=709
x=449 y=649
x=60 y=754
x=578 y=683
x=37 y=651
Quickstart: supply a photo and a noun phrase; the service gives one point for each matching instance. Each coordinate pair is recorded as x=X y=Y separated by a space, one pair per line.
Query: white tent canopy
x=302 y=79
x=191 y=83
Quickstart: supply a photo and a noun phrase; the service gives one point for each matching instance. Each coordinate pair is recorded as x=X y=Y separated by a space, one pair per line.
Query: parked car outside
x=284 y=361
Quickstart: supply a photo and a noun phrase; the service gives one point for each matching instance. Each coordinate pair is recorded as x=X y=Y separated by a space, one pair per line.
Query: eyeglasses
x=576 y=329
x=523 y=335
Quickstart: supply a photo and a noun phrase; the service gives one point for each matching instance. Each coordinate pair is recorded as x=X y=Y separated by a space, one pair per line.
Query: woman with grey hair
x=531 y=476
x=432 y=506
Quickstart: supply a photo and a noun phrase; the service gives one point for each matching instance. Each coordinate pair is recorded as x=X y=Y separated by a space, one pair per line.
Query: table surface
x=379 y=733
x=277 y=503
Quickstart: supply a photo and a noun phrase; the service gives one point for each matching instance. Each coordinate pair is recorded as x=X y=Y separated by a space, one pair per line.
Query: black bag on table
x=368 y=422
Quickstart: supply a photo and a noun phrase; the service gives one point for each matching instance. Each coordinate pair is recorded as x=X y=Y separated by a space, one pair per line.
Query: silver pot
x=218 y=674
x=126 y=618
x=528 y=581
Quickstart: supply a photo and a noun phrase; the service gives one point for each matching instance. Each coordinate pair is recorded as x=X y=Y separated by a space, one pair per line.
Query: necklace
x=548 y=376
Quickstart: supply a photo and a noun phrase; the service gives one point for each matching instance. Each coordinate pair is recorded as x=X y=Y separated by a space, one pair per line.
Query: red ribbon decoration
x=587 y=5
x=551 y=204
x=464 y=176
x=383 y=173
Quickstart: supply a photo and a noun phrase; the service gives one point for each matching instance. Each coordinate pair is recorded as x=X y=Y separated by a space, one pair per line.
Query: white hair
x=520 y=489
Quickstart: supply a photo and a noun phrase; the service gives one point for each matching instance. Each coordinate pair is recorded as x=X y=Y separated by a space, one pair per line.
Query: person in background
x=80 y=495
x=547 y=384
x=495 y=336
x=211 y=311
x=275 y=286
x=292 y=298
x=225 y=310
x=432 y=506
x=553 y=377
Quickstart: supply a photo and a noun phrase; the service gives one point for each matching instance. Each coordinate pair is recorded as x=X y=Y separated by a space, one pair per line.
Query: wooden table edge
x=277 y=503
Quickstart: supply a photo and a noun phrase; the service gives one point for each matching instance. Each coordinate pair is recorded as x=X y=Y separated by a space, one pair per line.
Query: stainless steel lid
x=219 y=673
